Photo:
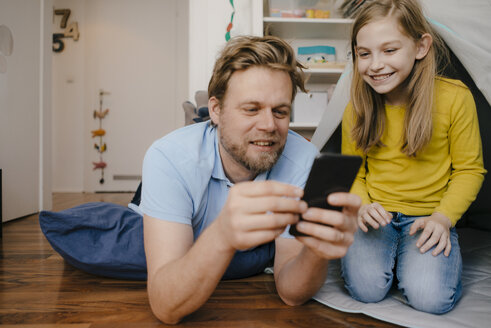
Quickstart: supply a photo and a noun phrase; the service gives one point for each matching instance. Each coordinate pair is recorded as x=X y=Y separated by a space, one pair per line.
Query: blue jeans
x=429 y=283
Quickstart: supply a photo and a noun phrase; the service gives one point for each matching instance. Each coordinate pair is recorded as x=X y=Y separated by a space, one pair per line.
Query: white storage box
x=309 y=107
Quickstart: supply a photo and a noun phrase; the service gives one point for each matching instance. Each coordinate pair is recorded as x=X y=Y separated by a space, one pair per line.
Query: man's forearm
x=184 y=285
x=301 y=277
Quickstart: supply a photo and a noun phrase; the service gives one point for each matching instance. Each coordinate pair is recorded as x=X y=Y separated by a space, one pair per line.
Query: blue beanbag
x=107 y=239
x=251 y=262
x=100 y=238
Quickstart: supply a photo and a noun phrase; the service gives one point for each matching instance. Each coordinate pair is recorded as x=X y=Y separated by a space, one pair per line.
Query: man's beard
x=264 y=162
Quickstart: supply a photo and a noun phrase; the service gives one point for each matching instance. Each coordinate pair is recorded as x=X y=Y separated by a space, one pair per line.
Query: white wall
x=208 y=21
x=137 y=51
x=25 y=109
x=68 y=94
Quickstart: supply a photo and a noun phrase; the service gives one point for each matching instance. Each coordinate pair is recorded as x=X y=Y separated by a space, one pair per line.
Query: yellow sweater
x=445 y=177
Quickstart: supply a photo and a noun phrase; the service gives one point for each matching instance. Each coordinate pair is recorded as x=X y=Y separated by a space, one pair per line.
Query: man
x=214 y=188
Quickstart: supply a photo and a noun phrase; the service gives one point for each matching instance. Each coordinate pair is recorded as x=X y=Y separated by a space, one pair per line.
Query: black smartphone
x=330 y=173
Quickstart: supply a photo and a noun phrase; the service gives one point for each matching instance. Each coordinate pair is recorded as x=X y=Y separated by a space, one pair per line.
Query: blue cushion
x=100 y=238
x=107 y=239
x=251 y=262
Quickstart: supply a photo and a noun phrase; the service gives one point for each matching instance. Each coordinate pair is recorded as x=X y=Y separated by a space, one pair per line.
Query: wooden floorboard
x=39 y=289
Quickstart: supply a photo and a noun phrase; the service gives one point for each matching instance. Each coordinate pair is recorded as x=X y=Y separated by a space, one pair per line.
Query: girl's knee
x=437 y=300
x=367 y=288
x=431 y=284
x=368 y=294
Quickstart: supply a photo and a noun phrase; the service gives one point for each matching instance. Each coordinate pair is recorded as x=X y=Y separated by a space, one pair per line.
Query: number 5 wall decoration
x=71 y=31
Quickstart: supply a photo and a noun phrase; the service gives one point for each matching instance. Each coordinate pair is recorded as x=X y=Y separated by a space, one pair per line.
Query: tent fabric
x=464 y=25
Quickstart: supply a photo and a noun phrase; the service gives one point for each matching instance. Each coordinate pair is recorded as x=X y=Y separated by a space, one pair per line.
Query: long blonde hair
x=369 y=106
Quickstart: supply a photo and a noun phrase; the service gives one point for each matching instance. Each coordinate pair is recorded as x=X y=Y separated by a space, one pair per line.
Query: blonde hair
x=369 y=106
x=243 y=52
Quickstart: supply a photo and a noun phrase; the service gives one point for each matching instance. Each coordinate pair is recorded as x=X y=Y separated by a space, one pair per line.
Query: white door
x=23 y=99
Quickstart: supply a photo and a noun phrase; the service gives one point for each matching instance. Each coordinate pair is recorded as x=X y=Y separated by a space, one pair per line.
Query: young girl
x=419 y=137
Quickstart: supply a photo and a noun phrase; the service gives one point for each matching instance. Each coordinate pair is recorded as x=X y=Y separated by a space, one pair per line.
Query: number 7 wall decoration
x=101 y=146
x=71 y=31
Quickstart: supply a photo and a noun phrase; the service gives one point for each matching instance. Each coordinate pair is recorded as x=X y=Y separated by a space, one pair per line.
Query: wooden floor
x=38 y=289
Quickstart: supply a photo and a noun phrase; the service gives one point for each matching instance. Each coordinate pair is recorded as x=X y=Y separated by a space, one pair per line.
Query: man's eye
x=280 y=112
x=251 y=110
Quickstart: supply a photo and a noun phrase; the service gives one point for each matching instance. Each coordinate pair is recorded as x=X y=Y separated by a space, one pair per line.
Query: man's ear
x=214 y=109
x=423 y=45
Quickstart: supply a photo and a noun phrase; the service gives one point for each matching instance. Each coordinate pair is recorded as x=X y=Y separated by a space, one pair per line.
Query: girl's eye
x=363 y=54
x=390 y=50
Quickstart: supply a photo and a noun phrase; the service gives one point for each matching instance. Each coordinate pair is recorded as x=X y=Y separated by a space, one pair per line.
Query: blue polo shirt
x=184 y=180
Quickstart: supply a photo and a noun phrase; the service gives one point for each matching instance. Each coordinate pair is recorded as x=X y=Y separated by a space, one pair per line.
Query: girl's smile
x=381 y=77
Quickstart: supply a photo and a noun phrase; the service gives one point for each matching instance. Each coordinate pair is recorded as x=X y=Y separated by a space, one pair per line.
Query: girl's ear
x=423 y=45
x=214 y=110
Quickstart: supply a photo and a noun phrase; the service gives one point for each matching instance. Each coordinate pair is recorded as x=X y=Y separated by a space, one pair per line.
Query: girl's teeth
x=381 y=77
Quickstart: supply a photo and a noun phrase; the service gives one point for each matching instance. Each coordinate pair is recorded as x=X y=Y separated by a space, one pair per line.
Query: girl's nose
x=376 y=64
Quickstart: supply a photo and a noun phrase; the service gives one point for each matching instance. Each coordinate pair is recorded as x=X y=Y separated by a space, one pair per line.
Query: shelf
x=323 y=75
x=308 y=20
x=308 y=28
x=324 y=70
x=303 y=125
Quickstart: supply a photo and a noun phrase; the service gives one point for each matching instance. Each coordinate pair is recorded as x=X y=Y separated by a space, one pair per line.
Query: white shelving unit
x=268 y=19
x=303 y=125
x=310 y=32
x=324 y=71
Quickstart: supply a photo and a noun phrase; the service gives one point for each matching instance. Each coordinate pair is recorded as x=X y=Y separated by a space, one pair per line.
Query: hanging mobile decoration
x=230 y=25
x=101 y=147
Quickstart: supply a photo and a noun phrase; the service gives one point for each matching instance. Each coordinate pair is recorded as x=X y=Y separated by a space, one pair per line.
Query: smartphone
x=330 y=173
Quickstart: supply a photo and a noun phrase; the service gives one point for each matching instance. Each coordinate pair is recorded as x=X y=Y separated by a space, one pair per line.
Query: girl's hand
x=374 y=214
x=436 y=230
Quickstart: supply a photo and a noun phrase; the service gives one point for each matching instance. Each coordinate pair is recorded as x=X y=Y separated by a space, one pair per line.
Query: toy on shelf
x=316 y=54
x=301 y=8
x=101 y=147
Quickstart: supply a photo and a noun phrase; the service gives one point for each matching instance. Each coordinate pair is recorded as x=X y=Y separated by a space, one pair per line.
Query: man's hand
x=436 y=231
x=374 y=215
x=330 y=233
x=258 y=212
x=183 y=273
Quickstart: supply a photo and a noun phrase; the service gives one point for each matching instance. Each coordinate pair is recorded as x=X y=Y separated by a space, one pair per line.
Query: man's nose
x=266 y=120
